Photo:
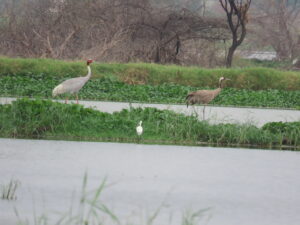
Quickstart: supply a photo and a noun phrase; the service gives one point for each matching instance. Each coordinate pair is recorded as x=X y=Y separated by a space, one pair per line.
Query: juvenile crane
x=204 y=96
x=73 y=85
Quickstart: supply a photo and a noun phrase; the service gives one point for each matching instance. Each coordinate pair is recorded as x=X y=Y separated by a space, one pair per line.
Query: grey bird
x=73 y=85
x=204 y=96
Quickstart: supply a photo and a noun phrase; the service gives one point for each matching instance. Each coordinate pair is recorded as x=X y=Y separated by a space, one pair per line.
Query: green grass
x=141 y=82
x=51 y=120
x=254 y=78
x=109 y=89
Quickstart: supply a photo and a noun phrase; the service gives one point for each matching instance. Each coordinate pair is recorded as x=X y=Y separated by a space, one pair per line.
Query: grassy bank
x=254 y=78
x=46 y=119
x=257 y=87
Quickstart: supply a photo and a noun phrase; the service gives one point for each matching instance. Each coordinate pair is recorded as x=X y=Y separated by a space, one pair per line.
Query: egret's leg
x=66 y=100
x=77 y=98
x=204 y=112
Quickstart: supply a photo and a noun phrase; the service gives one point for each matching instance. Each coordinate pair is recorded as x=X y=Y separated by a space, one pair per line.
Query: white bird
x=139 y=129
x=73 y=85
x=295 y=61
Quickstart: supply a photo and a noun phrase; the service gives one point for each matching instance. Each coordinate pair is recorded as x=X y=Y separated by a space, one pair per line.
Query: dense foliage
x=47 y=119
x=253 y=78
x=114 y=90
x=259 y=87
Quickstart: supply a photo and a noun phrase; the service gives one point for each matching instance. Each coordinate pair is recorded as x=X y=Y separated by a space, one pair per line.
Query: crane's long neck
x=89 y=74
x=217 y=91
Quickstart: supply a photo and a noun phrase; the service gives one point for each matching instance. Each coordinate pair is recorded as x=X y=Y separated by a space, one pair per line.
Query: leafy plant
x=113 y=90
x=47 y=119
x=254 y=78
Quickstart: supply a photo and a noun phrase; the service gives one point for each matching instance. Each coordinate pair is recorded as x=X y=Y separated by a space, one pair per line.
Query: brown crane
x=204 y=96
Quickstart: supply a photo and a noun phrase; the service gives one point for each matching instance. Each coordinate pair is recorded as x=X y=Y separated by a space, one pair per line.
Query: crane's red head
x=89 y=61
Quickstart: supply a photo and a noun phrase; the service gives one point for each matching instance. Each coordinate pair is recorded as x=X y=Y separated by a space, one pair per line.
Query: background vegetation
x=35 y=119
x=183 y=32
x=141 y=82
x=255 y=78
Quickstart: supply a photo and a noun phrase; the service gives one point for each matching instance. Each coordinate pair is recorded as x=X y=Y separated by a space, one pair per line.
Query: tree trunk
x=230 y=55
x=157 y=55
x=236 y=12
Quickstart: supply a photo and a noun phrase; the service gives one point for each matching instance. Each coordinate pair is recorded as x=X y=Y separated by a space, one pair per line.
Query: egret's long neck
x=88 y=76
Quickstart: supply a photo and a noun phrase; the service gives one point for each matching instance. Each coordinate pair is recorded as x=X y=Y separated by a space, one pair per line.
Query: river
x=237 y=186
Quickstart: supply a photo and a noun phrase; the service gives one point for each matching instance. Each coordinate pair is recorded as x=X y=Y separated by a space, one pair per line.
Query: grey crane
x=73 y=85
x=204 y=96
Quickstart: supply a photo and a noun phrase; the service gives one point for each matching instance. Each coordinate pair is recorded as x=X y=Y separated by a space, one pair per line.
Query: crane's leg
x=77 y=98
x=204 y=112
x=195 y=111
x=66 y=100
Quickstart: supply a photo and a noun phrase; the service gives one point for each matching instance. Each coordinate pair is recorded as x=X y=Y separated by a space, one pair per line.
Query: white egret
x=139 y=129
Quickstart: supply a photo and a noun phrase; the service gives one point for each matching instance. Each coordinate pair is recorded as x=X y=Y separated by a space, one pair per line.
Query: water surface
x=239 y=186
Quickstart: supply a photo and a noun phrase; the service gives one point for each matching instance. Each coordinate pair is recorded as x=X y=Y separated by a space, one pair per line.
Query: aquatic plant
x=193 y=217
x=92 y=210
x=8 y=191
x=290 y=131
x=27 y=118
x=109 y=89
x=142 y=82
x=255 y=78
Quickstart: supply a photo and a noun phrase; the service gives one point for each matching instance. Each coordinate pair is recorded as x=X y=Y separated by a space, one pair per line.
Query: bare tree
x=110 y=30
x=237 y=18
x=41 y=28
x=276 y=24
x=166 y=31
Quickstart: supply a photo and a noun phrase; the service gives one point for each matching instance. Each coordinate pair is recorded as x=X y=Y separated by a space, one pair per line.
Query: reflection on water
x=240 y=186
